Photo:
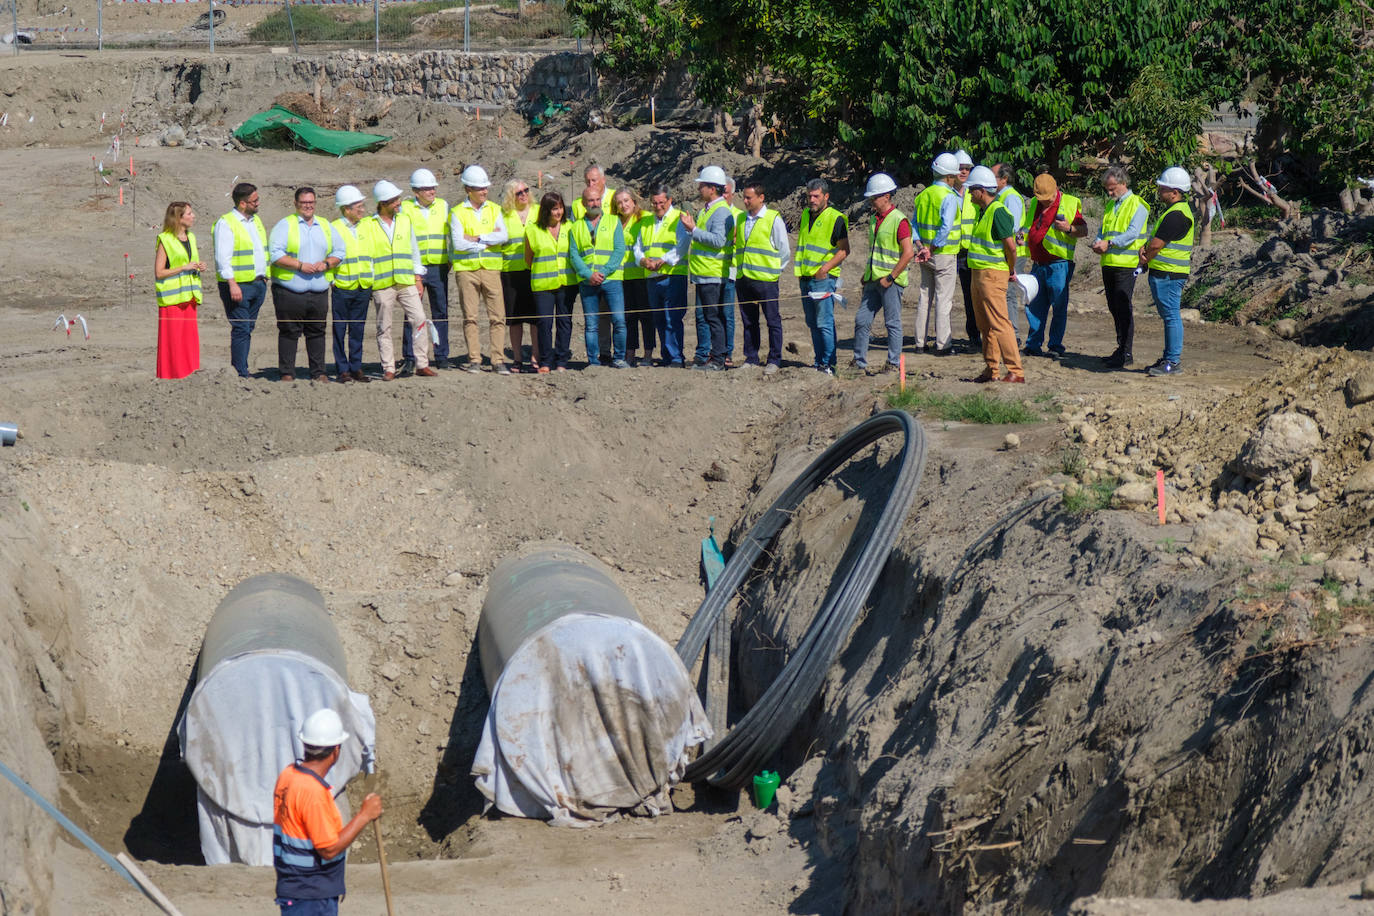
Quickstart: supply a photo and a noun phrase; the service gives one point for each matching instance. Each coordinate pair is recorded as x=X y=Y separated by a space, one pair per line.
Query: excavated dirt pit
x=1088 y=703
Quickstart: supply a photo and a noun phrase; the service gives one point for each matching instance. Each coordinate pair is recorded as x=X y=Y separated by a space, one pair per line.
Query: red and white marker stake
x=901 y=372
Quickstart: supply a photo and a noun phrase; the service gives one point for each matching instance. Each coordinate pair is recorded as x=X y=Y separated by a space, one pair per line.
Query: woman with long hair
x=518 y=211
x=552 y=280
x=639 y=318
x=176 y=279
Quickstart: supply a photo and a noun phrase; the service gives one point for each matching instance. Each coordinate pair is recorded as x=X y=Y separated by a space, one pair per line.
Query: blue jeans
x=668 y=299
x=326 y=906
x=889 y=301
x=727 y=304
x=350 y=324
x=1168 y=293
x=1053 y=297
x=820 y=318
x=436 y=285
x=243 y=316
x=608 y=297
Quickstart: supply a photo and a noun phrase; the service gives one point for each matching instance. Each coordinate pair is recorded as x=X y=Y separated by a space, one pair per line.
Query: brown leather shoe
x=344 y=377
x=1014 y=379
x=427 y=372
x=320 y=377
x=987 y=376
x=288 y=378
x=359 y=377
x=388 y=376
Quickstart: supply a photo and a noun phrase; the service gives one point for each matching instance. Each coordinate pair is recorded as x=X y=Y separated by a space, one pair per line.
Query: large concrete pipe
x=270 y=658
x=591 y=713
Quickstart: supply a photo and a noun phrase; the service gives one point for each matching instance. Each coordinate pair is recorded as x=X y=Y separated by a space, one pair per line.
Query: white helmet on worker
x=347 y=196
x=1176 y=178
x=474 y=176
x=880 y=183
x=384 y=190
x=963 y=158
x=423 y=178
x=712 y=174
x=323 y=729
x=981 y=177
x=945 y=164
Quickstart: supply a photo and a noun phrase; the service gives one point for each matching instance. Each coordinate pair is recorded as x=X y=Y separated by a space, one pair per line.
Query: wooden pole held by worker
x=381 y=859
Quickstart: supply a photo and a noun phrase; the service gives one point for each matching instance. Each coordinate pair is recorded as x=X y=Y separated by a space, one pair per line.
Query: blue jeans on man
x=435 y=281
x=820 y=318
x=349 y=307
x=243 y=316
x=889 y=302
x=1168 y=294
x=668 y=299
x=1051 y=301
x=608 y=298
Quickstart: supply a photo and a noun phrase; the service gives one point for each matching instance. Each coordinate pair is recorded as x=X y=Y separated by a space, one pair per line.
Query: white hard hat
x=384 y=190
x=945 y=164
x=1176 y=178
x=981 y=177
x=1030 y=285
x=712 y=174
x=423 y=178
x=347 y=196
x=323 y=729
x=963 y=158
x=880 y=183
x=474 y=176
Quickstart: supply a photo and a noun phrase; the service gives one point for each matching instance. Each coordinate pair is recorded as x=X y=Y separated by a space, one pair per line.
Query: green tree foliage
x=1039 y=83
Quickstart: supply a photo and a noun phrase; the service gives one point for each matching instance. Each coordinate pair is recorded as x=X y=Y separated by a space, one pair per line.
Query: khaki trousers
x=939 y=276
x=408 y=298
x=484 y=285
x=990 y=311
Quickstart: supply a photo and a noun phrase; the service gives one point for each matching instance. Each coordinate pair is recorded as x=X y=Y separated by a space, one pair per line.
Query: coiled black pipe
x=763 y=729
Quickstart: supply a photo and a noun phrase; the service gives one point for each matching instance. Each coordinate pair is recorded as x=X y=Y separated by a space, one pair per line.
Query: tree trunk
x=520 y=8
x=1204 y=185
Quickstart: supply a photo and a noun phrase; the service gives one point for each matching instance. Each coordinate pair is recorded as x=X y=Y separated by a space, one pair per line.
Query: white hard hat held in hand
x=945 y=164
x=1176 y=178
x=880 y=183
x=384 y=190
x=347 y=195
x=423 y=178
x=474 y=176
x=712 y=174
x=323 y=729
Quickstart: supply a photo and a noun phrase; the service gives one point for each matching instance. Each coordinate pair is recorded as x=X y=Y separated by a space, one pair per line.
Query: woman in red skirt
x=176 y=272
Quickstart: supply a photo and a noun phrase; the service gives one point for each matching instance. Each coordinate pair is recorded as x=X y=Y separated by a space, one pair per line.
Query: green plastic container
x=765 y=787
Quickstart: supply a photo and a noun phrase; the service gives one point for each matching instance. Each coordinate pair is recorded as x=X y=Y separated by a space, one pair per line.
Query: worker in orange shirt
x=309 y=838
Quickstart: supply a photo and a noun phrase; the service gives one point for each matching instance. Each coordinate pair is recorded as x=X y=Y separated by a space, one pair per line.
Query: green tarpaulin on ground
x=278 y=127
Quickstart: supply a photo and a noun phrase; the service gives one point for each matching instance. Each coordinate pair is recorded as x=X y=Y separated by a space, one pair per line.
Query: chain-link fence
x=210 y=25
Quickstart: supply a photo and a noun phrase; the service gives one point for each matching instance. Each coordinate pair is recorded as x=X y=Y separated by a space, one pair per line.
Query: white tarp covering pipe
x=591 y=713
x=271 y=657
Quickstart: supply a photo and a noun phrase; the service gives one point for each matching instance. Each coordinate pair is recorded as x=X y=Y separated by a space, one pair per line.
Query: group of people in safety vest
x=971 y=228
x=633 y=261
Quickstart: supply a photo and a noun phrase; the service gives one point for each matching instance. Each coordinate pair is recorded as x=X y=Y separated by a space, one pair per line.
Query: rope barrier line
x=399 y=310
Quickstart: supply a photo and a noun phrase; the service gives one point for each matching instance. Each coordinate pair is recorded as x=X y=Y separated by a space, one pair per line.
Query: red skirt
x=178 y=340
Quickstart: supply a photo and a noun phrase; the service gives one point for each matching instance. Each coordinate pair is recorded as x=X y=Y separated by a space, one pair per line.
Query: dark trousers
x=755 y=295
x=300 y=314
x=554 y=307
x=975 y=338
x=639 y=319
x=243 y=317
x=435 y=281
x=709 y=298
x=1119 y=285
x=349 y=309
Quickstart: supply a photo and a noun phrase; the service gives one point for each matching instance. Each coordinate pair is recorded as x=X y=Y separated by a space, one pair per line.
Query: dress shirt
x=313 y=249
x=224 y=246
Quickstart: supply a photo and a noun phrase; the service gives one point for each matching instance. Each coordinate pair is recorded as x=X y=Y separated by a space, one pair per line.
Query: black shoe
x=1056 y=352
x=1032 y=351
x=441 y=362
x=1117 y=360
x=406 y=369
x=711 y=365
x=947 y=351
x=1164 y=368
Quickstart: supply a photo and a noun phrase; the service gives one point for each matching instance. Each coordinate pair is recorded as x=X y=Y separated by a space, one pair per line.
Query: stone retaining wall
x=487 y=79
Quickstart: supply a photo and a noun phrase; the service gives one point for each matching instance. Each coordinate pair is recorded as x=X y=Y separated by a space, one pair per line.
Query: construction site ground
x=131 y=506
